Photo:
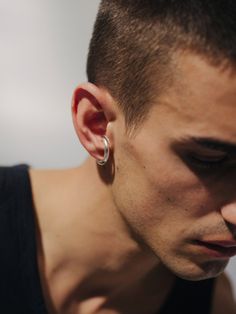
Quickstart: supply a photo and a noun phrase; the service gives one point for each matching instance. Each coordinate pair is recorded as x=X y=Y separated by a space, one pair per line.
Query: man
x=155 y=202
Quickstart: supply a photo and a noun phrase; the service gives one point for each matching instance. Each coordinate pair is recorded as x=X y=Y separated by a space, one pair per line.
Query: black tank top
x=20 y=288
x=189 y=297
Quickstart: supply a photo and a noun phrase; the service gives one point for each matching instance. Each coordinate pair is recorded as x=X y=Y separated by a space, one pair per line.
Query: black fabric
x=20 y=289
x=189 y=297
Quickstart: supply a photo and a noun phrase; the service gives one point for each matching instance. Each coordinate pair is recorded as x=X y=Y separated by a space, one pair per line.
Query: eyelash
x=207 y=164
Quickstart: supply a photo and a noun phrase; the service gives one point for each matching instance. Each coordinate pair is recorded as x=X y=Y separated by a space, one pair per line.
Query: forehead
x=196 y=74
x=202 y=98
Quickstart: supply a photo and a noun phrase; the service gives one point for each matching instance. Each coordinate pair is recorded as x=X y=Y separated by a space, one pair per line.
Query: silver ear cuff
x=106 y=151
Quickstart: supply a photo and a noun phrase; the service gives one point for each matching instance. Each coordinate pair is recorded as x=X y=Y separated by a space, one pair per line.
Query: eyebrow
x=213 y=144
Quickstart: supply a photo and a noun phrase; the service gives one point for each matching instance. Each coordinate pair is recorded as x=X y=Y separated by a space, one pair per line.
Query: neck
x=88 y=244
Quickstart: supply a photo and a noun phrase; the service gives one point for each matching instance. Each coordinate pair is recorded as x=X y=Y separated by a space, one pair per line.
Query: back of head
x=133 y=45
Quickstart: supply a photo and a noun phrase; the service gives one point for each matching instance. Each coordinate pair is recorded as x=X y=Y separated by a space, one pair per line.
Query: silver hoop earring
x=106 y=151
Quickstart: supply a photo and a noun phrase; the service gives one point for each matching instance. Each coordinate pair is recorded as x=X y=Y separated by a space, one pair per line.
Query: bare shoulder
x=48 y=184
x=223 y=299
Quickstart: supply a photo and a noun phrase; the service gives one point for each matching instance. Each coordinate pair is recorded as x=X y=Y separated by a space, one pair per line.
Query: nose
x=228 y=212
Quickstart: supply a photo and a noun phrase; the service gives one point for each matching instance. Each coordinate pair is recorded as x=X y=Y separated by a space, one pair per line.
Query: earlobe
x=91 y=113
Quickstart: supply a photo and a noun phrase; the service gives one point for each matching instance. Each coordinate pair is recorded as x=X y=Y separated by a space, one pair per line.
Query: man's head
x=173 y=181
x=132 y=50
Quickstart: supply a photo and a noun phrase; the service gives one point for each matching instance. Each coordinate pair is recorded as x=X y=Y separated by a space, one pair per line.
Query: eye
x=207 y=162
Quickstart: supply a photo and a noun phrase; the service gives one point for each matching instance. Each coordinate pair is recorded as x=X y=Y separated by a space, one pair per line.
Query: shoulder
x=49 y=184
x=223 y=299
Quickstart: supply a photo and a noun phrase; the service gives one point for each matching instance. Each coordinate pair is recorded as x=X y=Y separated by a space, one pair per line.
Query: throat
x=146 y=296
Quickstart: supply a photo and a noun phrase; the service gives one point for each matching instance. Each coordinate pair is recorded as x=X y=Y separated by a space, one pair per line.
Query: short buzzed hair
x=134 y=41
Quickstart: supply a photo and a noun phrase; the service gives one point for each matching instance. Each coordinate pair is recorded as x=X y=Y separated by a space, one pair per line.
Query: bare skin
x=126 y=276
x=109 y=235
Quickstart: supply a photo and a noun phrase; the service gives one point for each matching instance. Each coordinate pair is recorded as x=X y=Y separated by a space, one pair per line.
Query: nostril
x=232 y=229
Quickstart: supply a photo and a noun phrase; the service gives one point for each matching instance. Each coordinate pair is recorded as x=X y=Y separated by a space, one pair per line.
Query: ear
x=93 y=111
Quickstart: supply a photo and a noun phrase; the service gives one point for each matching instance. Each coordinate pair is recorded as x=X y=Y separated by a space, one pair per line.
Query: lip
x=223 y=243
x=218 y=249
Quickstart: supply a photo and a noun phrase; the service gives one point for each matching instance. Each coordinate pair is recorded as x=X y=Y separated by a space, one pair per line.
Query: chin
x=196 y=271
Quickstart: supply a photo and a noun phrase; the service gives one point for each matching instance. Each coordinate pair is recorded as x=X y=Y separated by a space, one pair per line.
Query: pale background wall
x=43 y=53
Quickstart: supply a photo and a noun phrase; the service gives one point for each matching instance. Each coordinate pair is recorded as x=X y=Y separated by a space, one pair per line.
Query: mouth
x=216 y=250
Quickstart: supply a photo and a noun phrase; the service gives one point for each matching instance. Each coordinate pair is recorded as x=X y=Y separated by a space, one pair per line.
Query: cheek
x=152 y=191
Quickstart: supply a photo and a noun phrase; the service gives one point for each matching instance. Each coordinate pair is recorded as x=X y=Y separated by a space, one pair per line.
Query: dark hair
x=134 y=41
